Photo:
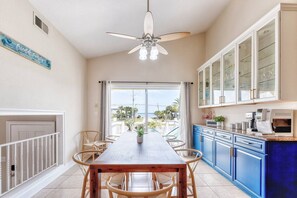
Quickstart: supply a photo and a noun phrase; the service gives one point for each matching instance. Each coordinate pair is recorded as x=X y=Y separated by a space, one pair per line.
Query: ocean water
x=150 y=115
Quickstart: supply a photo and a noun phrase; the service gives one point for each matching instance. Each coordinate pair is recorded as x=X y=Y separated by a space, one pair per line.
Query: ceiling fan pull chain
x=148 y=5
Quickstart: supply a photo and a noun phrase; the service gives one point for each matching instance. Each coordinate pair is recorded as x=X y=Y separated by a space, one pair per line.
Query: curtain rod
x=144 y=82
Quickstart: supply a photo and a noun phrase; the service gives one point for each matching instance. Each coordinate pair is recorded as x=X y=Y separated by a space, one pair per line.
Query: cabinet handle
x=254 y=95
x=231 y=152
x=251 y=94
x=200 y=138
x=244 y=142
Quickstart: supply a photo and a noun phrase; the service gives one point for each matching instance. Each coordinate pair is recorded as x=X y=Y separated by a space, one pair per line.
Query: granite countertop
x=253 y=134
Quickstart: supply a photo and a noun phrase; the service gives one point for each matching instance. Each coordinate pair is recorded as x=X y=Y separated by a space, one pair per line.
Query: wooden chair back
x=164 y=192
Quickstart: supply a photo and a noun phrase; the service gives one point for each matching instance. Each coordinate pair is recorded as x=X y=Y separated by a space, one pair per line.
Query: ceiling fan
x=149 y=42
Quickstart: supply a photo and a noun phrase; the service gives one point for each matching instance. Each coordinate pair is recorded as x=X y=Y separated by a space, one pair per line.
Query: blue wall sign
x=24 y=51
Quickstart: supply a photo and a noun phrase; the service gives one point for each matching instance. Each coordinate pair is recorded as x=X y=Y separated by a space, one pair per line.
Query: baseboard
x=30 y=188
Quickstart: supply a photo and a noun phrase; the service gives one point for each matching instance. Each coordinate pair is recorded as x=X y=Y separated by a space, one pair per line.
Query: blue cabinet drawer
x=249 y=143
x=197 y=129
x=224 y=136
x=208 y=131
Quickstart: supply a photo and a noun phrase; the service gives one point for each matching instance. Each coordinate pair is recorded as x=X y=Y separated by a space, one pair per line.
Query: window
x=154 y=106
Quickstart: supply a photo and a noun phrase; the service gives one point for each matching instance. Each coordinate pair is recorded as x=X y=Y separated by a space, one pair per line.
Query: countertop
x=253 y=134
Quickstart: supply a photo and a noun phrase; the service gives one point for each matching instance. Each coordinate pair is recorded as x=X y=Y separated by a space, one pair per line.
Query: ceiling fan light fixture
x=149 y=43
x=143 y=51
x=153 y=57
x=142 y=57
x=154 y=51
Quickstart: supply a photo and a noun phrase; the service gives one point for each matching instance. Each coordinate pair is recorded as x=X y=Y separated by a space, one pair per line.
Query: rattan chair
x=160 y=193
x=191 y=157
x=90 y=140
x=176 y=143
x=84 y=159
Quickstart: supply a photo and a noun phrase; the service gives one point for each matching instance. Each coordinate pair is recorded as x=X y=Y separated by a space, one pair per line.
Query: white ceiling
x=85 y=22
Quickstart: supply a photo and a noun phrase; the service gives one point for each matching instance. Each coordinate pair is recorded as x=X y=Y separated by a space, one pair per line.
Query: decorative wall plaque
x=24 y=51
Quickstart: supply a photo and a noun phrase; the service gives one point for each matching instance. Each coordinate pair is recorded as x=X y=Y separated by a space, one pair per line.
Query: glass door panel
x=200 y=84
x=245 y=70
x=265 y=76
x=216 y=82
x=229 y=77
x=207 y=86
x=127 y=109
x=163 y=111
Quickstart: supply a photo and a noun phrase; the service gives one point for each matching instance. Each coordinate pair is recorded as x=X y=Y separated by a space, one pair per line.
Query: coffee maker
x=251 y=117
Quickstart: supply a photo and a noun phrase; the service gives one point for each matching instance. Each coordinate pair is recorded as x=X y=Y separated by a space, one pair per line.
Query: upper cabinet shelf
x=258 y=66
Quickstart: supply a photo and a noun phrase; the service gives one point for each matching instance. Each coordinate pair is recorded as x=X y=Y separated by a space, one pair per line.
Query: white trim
x=6 y=112
x=31 y=188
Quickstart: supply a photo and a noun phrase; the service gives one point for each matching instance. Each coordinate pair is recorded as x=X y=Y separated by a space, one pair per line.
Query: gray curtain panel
x=103 y=103
x=188 y=113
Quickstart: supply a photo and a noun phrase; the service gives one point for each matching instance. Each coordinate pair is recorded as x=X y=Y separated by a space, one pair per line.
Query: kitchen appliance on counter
x=251 y=117
x=282 y=121
x=275 y=121
x=211 y=123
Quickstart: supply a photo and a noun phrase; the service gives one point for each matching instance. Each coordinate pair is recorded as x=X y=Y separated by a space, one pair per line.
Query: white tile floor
x=209 y=184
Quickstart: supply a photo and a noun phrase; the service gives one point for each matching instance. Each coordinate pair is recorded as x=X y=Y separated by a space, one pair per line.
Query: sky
x=157 y=99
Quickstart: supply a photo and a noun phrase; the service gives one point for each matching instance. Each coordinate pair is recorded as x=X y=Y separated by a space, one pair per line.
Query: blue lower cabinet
x=224 y=158
x=196 y=137
x=207 y=147
x=249 y=169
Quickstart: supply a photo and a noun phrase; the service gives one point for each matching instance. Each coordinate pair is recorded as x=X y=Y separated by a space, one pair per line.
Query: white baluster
x=8 y=168
x=22 y=162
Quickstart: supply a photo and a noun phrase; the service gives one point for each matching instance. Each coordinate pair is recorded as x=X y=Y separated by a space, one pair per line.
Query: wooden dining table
x=126 y=155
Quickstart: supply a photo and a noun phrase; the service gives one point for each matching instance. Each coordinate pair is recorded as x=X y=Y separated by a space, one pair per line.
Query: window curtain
x=185 y=114
x=105 y=117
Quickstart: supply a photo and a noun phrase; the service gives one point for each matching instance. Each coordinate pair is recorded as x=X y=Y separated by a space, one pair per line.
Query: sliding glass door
x=156 y=107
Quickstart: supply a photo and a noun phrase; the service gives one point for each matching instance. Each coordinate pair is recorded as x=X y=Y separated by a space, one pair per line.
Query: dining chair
x=112 y=138
x=90 y=140
x=176 y=143
x=191 y=157
x=84 y=159
x=159 y=193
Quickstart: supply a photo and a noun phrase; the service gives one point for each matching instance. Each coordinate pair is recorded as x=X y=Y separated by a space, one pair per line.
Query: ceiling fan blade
x=161 y=49
x=134 y=49
x=173 y=36
x=122 y=35
x=148 y=23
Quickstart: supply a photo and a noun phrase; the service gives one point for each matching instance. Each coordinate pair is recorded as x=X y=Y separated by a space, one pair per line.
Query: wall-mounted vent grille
x=40 y=24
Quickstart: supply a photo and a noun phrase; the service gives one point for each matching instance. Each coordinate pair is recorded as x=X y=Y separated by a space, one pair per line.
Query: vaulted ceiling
x=85 y=22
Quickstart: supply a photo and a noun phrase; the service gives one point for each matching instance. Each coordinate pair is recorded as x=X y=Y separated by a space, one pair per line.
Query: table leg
x=95 y=183
x=182 y=182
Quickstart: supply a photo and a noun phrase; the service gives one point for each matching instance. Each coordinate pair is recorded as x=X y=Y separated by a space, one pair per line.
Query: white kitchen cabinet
x=266 y=75
x=245 y=70
x=228 y=78
x=263 y=65
x=204 y=94
x=216 y=91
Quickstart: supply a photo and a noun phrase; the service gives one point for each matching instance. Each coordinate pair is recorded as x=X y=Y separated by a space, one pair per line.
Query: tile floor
x=209 y=184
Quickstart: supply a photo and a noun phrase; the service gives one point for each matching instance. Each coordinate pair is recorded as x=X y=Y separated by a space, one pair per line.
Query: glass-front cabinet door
x=265 y=70
x=245 y=64
x=229 y=91
x=200 y=88
x=207 y=85
x=216 y=82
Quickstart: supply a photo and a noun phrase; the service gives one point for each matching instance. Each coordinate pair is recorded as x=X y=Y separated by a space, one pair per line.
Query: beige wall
x=234 y=20
x=184 y=57
x=26 y=85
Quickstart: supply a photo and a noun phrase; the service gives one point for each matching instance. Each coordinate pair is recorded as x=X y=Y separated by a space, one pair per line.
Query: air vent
x=40 y=24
